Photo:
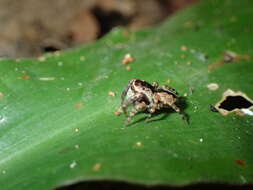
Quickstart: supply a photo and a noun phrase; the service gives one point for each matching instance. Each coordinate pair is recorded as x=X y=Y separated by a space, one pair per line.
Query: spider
x=144 y=96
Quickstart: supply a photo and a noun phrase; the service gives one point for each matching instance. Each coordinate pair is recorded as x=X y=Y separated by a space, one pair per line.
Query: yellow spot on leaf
x=183 y=48
x=128 y=68
x=111 y=93
x=97 y=167
x=79 y=106
x=138 y=144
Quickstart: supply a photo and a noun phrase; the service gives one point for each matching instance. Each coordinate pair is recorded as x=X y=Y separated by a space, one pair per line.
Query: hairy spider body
x=146 y=97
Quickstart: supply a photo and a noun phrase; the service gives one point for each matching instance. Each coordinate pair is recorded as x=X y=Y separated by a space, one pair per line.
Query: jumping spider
x=148 y=97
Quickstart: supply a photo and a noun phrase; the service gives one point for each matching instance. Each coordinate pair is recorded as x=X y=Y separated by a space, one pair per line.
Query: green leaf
x=57 y=121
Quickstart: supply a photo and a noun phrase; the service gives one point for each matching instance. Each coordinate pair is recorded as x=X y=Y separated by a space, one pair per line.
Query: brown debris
x=240 y=162
x=227 y=58
x=127 y=59
x=25 y=77
x=79 y=106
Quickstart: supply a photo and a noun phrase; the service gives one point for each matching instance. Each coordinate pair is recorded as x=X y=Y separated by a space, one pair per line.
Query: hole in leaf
x=233 y=102
x=237 y=102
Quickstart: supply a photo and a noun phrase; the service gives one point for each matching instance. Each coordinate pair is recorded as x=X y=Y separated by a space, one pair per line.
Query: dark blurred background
x=30 y=28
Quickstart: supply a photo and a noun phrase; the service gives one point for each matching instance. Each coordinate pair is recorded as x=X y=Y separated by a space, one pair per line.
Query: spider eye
x=143 y=88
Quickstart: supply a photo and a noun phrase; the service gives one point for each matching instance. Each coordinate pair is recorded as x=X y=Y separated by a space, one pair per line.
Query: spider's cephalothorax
x=146 y=97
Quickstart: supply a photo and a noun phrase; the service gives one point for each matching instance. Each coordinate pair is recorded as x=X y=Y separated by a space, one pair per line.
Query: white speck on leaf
x=76 y=130
x=60 y=63
x=2 y=119
x=213 y=86
x=82 y=58
x=47 y=78
x=138 y=143
x=73 y=164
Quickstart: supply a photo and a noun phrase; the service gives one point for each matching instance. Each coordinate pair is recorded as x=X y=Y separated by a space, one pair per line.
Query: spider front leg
x=138 y=107
x=183 y=115
x=129 y=101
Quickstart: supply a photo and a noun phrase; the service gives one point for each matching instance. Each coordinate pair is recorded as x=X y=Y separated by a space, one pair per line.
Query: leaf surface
x=57 y=121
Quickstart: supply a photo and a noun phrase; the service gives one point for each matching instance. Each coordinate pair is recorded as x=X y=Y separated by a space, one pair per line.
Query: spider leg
x=124 y=93
x=155 y=84
x=137 y=108
x=174 y=107
x=133 y=99
x=183 y=115
x=151 y=111
x=148 y=117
